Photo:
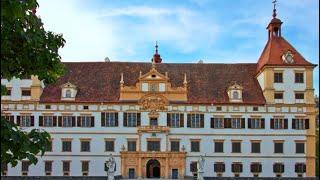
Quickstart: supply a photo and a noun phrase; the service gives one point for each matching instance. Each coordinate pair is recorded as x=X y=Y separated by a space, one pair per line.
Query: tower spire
x=156 y=57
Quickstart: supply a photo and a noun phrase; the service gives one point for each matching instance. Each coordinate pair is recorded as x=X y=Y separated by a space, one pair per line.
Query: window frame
x=192 y=146
x=298 y=78
x=278 y=77
x=65 y=145
x=112 y=143
x=83 y=147
x=233 y=147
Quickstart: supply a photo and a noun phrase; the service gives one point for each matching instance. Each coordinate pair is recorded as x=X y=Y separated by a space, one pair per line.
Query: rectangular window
x=218 y=147
x=299 y=78
x=66 y=166
x=48 y=107
x=26 y=92
x=153 y=121
x=278 y=77
x=299 y=96
x=193 y=166
x=300 y=147
x=175 y=146
x=25 y=166
x=219 y=167
x=278 y=147
x=195 y=120
x=132 y=145
x=131 y=119
x=131 y=173
x=279 y=123
x=67 y=121
x=300 y=168
x=66 y=146
x=219 y=108
x=25 y=121
x=85 y=121
x=153 y=146
x=175 y=120
x=195 y=146
x=48 y=166
x=278 y=95
x=8 y=92
x=300 y=123
x=236 y=167
x=85 y=146
x=85 y=166
x=255 y=147
x=256 y=123
x=9 y=118
x=236 y=147
x=109 y=119
x=236 y=123
x=48 y=121
x=109 y=145
x=217 y=123
x=278 y=168
x=256 y=167
x=255 y=108
x=86 y=107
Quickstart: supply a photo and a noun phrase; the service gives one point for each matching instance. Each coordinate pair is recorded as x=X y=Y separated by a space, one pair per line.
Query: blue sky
x=215 y=31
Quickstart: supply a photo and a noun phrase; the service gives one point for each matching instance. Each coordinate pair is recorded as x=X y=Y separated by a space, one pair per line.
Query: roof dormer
x=68 y=91
x=235 y=92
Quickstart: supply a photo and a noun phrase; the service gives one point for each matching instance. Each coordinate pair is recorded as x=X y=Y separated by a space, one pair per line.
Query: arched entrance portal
x=153 y=169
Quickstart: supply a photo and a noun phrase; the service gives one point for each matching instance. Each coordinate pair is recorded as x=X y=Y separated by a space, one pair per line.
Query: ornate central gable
x=153 y=85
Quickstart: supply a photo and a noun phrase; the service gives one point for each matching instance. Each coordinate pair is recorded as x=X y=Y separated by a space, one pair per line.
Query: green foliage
x=17 y=145
x=26 y=49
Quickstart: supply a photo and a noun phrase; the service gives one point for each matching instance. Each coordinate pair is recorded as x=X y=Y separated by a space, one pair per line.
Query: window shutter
x=296 y=168
x=103 y=119
x=116 y=119
x=285 y=123
x=293 y=124
x=223 y=167
x=60 y=121
x=232 y=167
x=262 y=123
x=73 y=121
x=243 y=123
x=92 y=121
x=282 y=168
x=274 y=168
x=125 y=120
x=215 y=167
x=260 y=167
x=272 y=123
x=138 y=119
x=32 y=120
x=212 y=123
x=12 y=119
x=304 y=168
x=168 y=119
x=251 y=167
x=78 y=121
x=227 y=122
x=54 y=121
x=307 y=123
x=189 y=120
x=240 y=167
x=249 y=123
x=40 y=121
x=18 y=120
x=201 y=120
x=181 y=120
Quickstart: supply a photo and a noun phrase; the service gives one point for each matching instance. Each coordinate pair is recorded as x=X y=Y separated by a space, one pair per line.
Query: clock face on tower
x=288 y=57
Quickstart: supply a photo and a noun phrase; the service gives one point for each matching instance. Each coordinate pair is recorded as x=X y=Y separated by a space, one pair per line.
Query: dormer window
x=68 y=91
x=235 y=92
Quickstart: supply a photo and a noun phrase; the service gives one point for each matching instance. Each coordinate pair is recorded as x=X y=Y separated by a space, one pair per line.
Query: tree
x=26 y=49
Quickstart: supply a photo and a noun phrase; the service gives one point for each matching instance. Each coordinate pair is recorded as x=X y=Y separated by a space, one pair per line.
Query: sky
x=214 y=31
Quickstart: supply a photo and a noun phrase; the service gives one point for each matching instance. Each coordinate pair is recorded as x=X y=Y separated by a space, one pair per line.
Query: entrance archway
x=153 y=168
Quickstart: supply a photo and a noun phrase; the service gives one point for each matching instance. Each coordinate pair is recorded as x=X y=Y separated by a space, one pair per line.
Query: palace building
x=156 y=119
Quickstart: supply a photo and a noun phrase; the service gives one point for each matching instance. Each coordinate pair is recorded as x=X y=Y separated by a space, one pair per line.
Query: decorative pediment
x=153 y=82
x=235 y=92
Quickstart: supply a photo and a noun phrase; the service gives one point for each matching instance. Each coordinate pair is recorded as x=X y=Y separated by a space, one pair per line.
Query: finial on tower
x=156 y=47
x=274 y=9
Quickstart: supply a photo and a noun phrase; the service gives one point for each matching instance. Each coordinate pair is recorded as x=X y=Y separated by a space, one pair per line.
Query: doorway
x=153 y=169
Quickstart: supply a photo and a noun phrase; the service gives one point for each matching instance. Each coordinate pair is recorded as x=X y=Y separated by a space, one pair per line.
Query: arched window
x=235 y=95
x=68 y=93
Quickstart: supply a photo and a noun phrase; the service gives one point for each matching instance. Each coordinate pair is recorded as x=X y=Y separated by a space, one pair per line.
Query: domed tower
x=156 y=57
x=286 y=79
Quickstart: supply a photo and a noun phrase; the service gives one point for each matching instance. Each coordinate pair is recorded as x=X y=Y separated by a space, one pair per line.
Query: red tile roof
x=207 y=83
x=273 y=51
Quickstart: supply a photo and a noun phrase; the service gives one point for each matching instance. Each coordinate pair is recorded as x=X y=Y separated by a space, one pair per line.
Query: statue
x=111 y=167
x=200 y=166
